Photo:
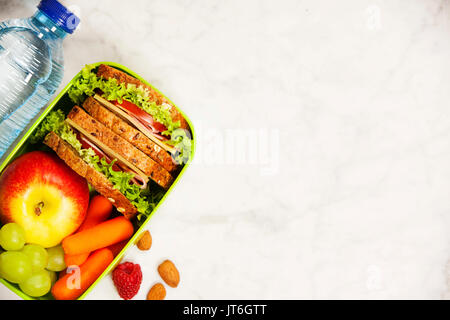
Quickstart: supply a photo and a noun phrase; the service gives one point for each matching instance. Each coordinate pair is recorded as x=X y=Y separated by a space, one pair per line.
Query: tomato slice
x=158 y=126
x=142 y=116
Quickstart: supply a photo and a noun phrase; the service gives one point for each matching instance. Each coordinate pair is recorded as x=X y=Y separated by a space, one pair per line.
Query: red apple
x=42 y=194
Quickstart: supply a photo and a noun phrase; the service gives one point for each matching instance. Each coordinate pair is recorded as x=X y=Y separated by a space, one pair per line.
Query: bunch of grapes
x=31 y=266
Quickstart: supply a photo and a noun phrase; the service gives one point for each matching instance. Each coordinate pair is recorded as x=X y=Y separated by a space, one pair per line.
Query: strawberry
x=127 y=278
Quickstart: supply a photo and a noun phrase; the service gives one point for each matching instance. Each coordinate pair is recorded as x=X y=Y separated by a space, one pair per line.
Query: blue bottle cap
x=60 y=15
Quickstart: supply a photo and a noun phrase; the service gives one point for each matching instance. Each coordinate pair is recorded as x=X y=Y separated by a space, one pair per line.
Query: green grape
x=12 y=237
x=38 y=285
x=38 y=256
x=53 y=276
x=56 y=259
x=15 y=266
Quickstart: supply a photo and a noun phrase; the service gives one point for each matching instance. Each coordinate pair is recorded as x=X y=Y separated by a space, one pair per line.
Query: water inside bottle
x=31 y=66
x=30 y=73
x=25 y=63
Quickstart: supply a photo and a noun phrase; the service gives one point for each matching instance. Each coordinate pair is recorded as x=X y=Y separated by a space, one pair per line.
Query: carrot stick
x=99 y=210
x=75 y=259
x=102 y=235
x=70 y=288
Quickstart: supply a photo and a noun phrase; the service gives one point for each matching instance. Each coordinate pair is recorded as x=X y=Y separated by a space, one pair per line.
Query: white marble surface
x=353 y=201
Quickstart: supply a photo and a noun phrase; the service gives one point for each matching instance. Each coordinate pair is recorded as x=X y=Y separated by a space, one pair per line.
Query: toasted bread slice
x=70 y=156
x=108 y=72
x=130 y=133
x=132 y=155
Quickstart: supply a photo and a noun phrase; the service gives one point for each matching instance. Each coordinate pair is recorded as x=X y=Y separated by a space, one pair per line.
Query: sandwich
x=138 y=105
x=125 y=138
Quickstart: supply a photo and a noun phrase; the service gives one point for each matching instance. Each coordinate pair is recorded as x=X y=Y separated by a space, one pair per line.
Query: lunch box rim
x=137 y=234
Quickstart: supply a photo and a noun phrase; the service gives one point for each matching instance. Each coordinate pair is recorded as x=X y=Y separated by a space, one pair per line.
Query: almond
x=145 y=241
x=157 y=292
x=169 y=273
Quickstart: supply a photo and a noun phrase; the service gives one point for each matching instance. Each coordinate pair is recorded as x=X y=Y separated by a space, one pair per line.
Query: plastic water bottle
x=31 y=65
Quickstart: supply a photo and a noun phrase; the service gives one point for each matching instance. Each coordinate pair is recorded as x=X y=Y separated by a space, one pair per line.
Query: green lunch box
x=63 y=102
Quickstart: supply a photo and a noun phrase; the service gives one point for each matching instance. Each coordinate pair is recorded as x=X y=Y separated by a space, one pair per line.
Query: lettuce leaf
x=52 y=122
x=122 y=181
x=87 y=83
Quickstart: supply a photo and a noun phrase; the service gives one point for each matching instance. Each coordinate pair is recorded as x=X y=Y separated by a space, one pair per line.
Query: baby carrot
x=102 y=235
x=75 y=259
x=99 y=210
x=70 y=288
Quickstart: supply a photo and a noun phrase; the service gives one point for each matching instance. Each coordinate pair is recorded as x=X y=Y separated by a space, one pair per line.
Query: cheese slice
x=124 y=115
x=110 y=152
